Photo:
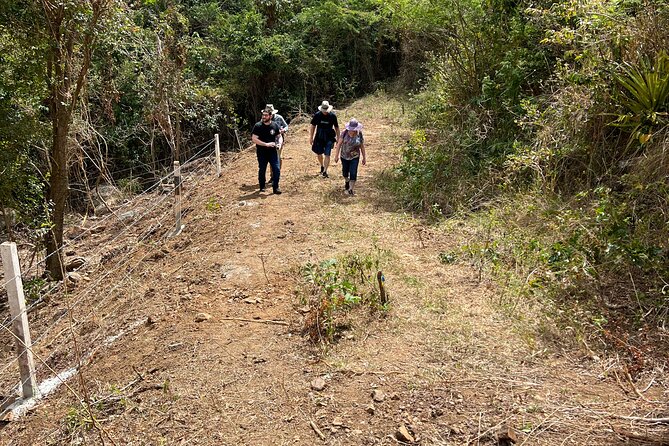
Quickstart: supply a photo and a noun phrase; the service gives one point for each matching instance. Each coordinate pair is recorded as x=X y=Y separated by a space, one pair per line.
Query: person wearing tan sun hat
x=323 y=135
x=351 y=147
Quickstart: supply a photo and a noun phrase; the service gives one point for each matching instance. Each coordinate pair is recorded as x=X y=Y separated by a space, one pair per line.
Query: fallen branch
x=312 y=423
x=261 y=321
x=645 y=420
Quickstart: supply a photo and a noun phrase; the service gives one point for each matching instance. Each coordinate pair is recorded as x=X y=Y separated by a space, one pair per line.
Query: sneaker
x=277 y=191
x=263 y=189
x=325 y=174
x=322 y=169
x=346 y=185
x=350 y=192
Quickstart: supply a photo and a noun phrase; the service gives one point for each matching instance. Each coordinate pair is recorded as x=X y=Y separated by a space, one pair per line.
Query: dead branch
x=261 y=321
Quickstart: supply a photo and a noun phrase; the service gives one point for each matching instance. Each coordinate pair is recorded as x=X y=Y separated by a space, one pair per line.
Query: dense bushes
x=551 y=121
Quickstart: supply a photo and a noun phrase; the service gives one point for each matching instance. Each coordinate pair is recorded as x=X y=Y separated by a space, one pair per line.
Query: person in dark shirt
x=323 y=135
x=264 y=136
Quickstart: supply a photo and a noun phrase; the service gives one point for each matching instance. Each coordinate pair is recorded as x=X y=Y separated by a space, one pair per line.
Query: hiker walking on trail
x=264 y=135
x=283 y=128
x=352 y=145
x=323 y=135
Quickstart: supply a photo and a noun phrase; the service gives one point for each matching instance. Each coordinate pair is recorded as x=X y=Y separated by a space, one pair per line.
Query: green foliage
x=33 y=289
x=645 y=98
x=334 y=287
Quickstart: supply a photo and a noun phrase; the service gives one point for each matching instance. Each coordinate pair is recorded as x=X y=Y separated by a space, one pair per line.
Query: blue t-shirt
x=325 y=125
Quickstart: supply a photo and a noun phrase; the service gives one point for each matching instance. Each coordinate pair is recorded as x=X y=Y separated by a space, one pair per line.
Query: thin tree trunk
x=58 y=191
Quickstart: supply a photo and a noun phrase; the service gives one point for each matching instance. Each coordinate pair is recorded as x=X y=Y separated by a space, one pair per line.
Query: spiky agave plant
x=645 y=97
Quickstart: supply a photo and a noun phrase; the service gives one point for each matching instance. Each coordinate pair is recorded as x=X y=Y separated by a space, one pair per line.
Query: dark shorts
x=322 y=148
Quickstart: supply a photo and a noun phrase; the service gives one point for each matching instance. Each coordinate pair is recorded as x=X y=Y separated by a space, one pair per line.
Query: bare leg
x=326 y=162
x=351 y=185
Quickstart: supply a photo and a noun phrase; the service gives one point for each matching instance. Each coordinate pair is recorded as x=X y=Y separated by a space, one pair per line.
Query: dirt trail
x=453 y=369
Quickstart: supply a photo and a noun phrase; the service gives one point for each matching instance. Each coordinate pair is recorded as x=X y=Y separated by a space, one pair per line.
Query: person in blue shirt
x=323 y=135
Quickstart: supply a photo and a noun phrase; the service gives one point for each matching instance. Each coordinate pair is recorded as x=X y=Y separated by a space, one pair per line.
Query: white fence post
x=17 y=309
x=177 y=198
x=218 y=156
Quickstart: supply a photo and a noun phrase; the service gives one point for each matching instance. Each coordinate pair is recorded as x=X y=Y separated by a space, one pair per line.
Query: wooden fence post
x=238 y=140
x=17 y=310
x=177 y=198
x=218 y=156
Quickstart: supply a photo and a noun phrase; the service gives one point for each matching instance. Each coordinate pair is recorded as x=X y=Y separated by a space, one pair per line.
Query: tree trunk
x=58 y=190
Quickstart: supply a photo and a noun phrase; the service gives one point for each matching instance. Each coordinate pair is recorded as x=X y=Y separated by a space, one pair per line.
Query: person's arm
x=337 y=135
x=337 y=147
x=258 y=142
x=364 y=156
x=283 y=125
x=311 y=134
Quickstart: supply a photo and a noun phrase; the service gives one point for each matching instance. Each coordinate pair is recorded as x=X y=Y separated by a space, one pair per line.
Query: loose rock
x=201 y=317
x=507 y=436
x=404 y=435
x=75 y=263
x=378 y=396
x=318 y=384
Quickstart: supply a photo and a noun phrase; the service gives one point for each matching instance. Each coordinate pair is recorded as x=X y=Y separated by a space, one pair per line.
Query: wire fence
x=157 y=229
x=97 y=226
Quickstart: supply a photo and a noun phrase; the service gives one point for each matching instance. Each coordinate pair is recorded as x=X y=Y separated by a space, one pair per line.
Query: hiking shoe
x=325 y=174
x=277 y=191
x=322 y=169
x=350 y=192
x=263 y=189
x=346 y=185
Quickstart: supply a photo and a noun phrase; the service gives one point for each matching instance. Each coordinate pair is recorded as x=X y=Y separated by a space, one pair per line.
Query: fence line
x=84 y=293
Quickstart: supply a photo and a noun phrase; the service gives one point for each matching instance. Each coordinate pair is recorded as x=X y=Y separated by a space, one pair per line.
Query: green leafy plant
x=336 y=286
x=645 y=97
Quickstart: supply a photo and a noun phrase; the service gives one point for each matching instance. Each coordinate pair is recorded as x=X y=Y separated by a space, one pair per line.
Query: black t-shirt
x=266 y=132
x=325 y=125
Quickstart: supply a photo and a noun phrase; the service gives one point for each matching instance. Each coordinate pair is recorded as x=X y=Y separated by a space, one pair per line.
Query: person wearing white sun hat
x=351 y=147
x=323 y=135
x=283 y=128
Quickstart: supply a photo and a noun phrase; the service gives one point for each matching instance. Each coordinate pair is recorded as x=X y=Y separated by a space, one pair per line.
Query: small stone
x=75 y=277
x=507 y=436
x=201 y=317
x=370 y=409
x=128 y=216
x=337 y=422
x=251 y=300
x=394 y=397
x=378 y=396
x=404 y=435
x=318 y=384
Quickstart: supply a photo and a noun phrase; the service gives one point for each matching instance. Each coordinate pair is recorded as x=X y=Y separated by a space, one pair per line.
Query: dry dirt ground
x=448 y=366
